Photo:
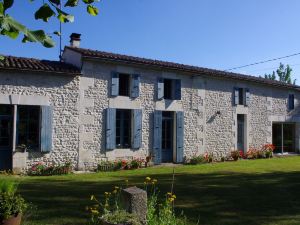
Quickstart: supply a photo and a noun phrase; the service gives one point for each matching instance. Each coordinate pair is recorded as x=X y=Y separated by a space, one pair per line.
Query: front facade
x=110 y=106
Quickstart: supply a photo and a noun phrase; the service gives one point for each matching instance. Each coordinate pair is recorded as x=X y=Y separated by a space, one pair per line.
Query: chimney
x=75 y=40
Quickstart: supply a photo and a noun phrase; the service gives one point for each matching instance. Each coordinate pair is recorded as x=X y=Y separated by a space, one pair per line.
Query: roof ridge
x=178 y=66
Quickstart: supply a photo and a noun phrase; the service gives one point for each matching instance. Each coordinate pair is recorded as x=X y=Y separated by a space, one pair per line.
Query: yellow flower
x=117 y=188
x=174 y=196
x=92 y=197
x=115 y=191
x=126 y=181
x=169 y=194
x=148 y=179
x=145 y=183
x=154 y=181
x=94 y=211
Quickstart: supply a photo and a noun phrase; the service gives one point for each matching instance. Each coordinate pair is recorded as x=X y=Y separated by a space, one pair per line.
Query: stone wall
x=209 y=114
x=62 y=93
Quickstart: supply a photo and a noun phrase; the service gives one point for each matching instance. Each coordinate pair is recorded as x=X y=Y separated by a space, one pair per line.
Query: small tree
x=284 y=74
x=50 y=8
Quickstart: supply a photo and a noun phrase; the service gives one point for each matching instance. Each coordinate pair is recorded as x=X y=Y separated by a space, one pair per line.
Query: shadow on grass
x=223 y=198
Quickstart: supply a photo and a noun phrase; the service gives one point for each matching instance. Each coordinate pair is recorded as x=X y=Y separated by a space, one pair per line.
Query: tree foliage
x=12 y=28
x=283 y=74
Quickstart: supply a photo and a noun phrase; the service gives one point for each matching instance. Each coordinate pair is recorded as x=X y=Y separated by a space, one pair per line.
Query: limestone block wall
x=62 y=93
x=209 y=114
x=91 y=151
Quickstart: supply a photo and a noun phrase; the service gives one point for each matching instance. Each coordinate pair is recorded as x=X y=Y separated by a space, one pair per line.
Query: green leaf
x=64 y=17
x=12 y=33
x=56 y=2
x=71 y=3
x=1 y=57
x=57 y=33
x=88 y=1
x=1 y=9
x=92 y=10
x=29 y=35
x=8 y=4
x=44 y=13
x=38 y=36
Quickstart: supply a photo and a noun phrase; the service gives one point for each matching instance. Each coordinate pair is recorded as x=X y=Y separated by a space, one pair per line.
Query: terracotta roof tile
x=29 y=64
x=88 y=53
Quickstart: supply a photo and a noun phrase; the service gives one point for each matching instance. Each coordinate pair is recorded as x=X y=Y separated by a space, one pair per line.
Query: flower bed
x=41 y=169
x=107 y=166
x=266 y=151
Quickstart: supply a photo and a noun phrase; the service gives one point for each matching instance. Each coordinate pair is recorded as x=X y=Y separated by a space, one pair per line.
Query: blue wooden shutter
x=160 y=88
x=137 y=128
x=179 y=136
x=157 y=136
x=110 y=128
x=291 y=102
x=114 y=84
x=236 y=96
x=46 y=128
x=177 y=89
x=135 y=87
x=247 y=93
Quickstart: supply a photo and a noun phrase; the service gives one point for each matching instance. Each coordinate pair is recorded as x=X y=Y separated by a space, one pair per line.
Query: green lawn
x=245 y=192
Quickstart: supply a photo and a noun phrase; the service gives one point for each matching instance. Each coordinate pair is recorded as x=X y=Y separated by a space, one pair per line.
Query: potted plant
x=12 y=205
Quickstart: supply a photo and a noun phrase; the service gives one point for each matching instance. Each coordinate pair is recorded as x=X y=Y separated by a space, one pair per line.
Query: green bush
x=11 y=203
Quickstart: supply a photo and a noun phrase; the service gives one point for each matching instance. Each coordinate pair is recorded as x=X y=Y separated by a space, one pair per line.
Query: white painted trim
x=14 y=128
x=24 y=100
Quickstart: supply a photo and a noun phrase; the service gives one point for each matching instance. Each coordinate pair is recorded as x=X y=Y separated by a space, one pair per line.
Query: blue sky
x=210 y=33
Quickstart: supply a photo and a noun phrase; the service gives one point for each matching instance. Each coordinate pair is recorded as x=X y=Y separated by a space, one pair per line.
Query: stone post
x=135 y=201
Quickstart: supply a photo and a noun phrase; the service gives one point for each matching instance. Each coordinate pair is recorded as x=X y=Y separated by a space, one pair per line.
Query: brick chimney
x=75 y=40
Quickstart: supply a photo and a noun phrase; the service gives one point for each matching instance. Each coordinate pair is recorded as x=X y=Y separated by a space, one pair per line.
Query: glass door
x=167 y=136
x=283 y=135
x=6 y=123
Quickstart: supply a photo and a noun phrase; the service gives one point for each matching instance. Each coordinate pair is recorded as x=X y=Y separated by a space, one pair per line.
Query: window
x=169 y=89
x=123 y=128
x=241 y=96
x=28 y=127
x=291 y=102
x=124 y=84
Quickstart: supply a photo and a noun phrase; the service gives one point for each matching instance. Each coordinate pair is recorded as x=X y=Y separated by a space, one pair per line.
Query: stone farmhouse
x=93 y=106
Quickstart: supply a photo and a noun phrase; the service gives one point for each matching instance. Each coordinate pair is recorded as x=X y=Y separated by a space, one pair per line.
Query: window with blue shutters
x=123 y=84
x=179 y=136
x=169 y=89
x=46 y=128
x=123 y=128
x=28 y=127
x=110 y=128
x=241 y=96
x=157 y=136
x=137 y=129
x=291 y=102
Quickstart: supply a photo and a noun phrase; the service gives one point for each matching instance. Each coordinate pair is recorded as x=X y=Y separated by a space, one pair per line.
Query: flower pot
x=14 y=220
x=107 y=223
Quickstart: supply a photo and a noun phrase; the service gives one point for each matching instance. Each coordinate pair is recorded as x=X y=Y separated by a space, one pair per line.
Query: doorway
x=241 y=132
x=167 y=136
x=283 y=137
x=6 y=134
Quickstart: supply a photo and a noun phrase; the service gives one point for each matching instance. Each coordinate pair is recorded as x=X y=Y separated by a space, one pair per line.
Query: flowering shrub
x=196 y=159
x=266 y=151
x=237 y=154
x=123 y=164
x=41 y=169
x=110 y=211
x=209 y=157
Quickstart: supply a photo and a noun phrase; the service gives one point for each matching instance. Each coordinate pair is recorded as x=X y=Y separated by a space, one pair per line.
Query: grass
x=244 y=192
